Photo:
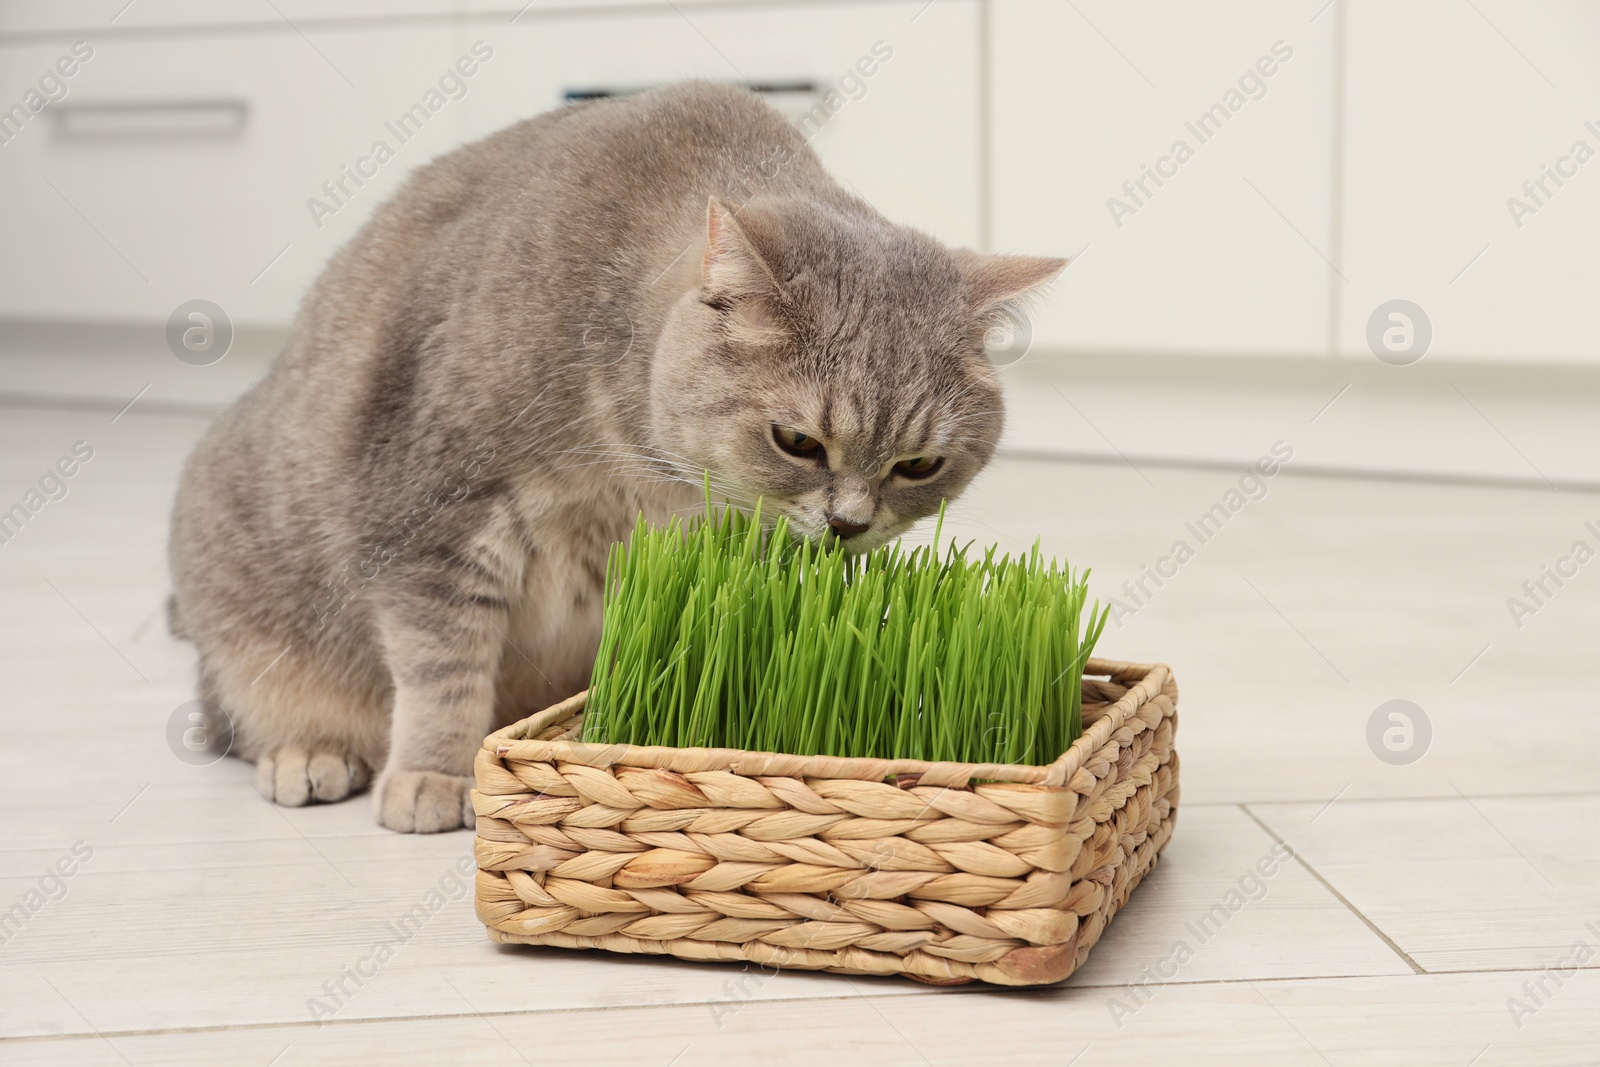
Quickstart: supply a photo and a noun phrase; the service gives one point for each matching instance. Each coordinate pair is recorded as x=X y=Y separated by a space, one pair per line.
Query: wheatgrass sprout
x=719 y=633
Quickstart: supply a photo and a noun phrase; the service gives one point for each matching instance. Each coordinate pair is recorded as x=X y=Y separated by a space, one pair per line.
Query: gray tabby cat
x=397 y=542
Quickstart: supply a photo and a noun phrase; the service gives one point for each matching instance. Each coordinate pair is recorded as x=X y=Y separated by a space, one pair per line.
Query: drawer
x=89 y=17
x=197 y=166
x=183 y=168
x=905 y=138
x=100 y=19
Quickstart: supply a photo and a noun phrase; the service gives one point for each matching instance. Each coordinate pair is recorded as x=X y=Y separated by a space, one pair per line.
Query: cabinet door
x=101 y=18
x=1228 y=250
x=905 y=136
x=1451 y=109
x=190 y=167
x=223 y=165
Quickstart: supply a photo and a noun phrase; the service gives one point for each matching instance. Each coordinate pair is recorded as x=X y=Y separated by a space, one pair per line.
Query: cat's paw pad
x=423 y=802
x=295 y=776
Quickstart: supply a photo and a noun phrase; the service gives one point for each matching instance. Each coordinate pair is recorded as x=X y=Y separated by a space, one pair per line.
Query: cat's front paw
x=423 y=802
x=295 y=776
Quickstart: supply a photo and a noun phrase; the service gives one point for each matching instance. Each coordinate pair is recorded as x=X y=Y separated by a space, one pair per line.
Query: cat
x=396 y=542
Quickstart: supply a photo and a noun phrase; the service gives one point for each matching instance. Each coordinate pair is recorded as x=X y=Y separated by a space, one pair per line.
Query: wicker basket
x=864 y=866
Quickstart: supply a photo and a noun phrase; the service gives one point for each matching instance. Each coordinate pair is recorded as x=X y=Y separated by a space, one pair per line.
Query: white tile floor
x=1427 y=895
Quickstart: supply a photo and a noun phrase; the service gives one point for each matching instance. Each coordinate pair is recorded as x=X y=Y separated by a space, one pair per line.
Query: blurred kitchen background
x=1340 y=156
x=1354 y=239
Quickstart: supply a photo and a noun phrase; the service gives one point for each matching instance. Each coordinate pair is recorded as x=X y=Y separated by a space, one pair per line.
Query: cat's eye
x=797 y=443
x=919 y=467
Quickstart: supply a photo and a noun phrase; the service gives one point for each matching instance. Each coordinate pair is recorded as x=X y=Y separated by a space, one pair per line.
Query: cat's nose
x=845 y=528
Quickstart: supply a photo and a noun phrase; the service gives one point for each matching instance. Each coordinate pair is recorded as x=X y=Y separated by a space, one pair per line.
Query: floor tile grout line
x=436 y=1016
x=975 y=989
x=1397 y=800
x=1385 y=938
x=1504 y=970
x=1179 y=983
x=468 y=941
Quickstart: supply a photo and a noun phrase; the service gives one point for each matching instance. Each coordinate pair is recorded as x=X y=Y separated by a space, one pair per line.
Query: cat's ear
x=997 y=281
x=733 y=266
x=736 y=278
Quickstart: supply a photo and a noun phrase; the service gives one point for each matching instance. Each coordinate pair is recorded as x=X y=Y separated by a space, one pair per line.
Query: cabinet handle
x=779 y=87
x=151 y=119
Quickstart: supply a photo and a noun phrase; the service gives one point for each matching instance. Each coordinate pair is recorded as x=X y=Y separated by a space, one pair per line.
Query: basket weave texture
x=863 y=866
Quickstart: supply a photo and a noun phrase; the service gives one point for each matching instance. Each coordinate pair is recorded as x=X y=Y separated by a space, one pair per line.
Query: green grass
x=720 y=634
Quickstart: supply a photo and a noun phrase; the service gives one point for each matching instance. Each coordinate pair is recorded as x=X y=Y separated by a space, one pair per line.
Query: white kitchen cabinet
x=905 y=136
x=181 y=167
x=198 y=164
x=1231 y=253
x=36 y=16
x=105 y=18
x=1450 y=111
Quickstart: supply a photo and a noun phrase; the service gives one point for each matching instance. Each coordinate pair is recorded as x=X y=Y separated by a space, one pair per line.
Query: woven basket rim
x=1144 y=680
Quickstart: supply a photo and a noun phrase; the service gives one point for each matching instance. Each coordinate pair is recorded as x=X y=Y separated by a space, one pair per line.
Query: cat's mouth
x=859 y=545
x=807 y=526
x=860 y=542
x=803 y=529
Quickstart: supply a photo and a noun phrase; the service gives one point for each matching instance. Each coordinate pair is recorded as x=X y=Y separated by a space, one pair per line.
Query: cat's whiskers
x=638 y=466
x=634 y=456
x=643 y=454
